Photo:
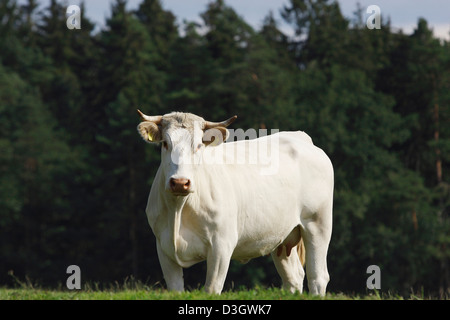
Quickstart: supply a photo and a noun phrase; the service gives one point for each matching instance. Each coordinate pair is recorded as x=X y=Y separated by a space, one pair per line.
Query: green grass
x=132 y=289
x=161 y=294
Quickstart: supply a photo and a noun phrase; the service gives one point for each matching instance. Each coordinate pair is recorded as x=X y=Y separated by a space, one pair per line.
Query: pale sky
x=404 y=14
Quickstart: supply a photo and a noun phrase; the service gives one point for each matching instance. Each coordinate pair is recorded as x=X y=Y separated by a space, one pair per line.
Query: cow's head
x=183 y=137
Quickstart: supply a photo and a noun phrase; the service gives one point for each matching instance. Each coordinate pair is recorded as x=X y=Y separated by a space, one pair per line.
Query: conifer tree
x=133 y=80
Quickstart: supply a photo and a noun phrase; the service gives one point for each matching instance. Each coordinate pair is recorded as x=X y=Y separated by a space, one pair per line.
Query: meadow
x=143 y=293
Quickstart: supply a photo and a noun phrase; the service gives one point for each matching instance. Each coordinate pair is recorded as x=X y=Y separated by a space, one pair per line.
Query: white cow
x=210 y=205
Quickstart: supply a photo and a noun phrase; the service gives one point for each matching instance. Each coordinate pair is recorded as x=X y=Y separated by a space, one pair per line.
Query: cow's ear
x=149 y=131
x=215 y=136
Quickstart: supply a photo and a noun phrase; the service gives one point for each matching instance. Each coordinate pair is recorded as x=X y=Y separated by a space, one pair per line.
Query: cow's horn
x=155 y=119
x=226 y=123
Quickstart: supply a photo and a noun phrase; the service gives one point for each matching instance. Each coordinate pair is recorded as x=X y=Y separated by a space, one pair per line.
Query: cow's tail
x=301 y=251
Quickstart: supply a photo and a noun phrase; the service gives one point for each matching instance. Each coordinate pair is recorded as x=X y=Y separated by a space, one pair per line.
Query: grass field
x=160 y=294
x=132 y=289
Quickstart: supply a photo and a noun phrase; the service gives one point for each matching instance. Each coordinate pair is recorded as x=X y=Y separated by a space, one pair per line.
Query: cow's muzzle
x=180 y=186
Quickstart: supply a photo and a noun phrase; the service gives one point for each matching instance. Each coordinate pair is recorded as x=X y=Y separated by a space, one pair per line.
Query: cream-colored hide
x=239 y=200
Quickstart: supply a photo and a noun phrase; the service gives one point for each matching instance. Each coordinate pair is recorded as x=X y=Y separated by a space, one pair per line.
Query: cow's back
x=302 y=170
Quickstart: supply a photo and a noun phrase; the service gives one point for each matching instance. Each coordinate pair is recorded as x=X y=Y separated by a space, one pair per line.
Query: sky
x=404 y=14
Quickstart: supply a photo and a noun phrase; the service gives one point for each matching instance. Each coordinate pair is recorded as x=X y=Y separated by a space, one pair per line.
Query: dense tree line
x=75 y=175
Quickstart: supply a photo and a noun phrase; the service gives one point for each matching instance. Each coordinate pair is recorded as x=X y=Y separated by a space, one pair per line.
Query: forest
x=75 y=175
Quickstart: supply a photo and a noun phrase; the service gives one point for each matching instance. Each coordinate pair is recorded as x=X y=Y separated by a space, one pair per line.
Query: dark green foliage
x=75 y=175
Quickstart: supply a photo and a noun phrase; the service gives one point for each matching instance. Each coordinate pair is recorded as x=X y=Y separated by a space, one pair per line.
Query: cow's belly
x=247 y=250
x=265 y=221
x=261 y=242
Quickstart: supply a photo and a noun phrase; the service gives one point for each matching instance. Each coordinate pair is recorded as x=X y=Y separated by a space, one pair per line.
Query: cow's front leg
x=173 y=273
x=217 y=263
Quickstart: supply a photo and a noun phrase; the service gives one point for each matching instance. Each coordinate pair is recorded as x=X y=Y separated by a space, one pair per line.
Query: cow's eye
x=199 y=146
x=164 y=144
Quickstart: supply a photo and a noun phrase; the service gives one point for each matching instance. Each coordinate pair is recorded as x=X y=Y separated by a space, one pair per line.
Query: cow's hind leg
x=173 y=273
x=289 y=268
